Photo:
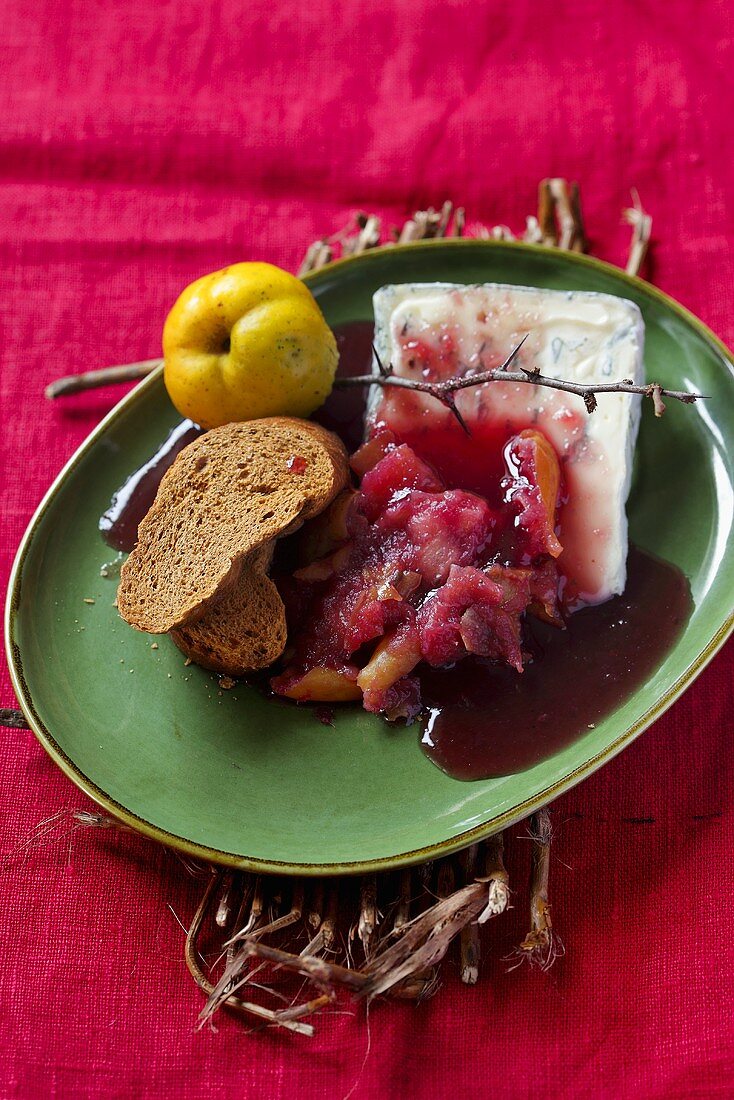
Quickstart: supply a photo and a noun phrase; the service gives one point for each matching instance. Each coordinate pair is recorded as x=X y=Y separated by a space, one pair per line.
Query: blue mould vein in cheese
x=575 y=335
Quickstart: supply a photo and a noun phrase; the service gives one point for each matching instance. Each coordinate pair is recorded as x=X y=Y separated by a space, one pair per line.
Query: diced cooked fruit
x=323 y=685
x=324 y=568
x=445 y=528
x=370 y=453
x=323 y=534
x=401 y=700
x=422 y=573
x=542 y=585
x=472 y=614
x=394 y=657
x=392 y=479
x=533 y=489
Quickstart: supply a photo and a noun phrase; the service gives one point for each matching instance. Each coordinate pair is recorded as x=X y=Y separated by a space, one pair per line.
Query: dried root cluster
x=278 y=951
x=558 y=223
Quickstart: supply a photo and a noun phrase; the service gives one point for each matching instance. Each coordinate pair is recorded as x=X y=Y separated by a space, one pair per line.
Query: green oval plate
x=234 y=778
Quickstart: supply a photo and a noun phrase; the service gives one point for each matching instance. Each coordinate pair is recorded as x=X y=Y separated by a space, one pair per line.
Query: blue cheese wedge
x=434 y=331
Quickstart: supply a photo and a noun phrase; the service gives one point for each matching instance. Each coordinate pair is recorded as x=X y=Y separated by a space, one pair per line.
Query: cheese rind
x=578 y=336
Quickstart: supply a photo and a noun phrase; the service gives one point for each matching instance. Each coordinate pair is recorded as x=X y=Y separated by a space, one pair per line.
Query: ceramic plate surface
x=235 y=778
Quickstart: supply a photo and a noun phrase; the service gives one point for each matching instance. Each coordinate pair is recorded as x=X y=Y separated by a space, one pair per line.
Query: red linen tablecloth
x=144 y=144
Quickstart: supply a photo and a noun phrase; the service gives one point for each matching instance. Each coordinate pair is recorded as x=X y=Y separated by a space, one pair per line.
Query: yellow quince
x=246 y=342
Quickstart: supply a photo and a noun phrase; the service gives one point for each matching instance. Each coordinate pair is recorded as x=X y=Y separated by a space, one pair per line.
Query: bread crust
x=230 y=492
x=244 y=629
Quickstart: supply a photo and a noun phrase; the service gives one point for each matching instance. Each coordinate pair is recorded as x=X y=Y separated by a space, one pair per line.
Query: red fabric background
x=144 y=144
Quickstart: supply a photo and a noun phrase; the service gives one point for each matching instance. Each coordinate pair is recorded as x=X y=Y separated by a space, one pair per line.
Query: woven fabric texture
x=142 y=145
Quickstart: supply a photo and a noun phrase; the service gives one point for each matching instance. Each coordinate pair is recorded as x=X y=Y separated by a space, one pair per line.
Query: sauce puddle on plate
x=485 y=721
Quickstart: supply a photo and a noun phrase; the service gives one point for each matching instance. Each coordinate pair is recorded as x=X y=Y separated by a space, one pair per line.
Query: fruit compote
x=406 y=570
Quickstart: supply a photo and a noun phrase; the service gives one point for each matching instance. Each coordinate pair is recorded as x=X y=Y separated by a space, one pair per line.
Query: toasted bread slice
x=229 y=492
x=242 y=630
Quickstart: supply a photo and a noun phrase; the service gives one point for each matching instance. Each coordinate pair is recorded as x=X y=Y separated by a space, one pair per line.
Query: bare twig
x=318 y=254
x=316 y=906
x=93 y=379
x=191 y=953
x=328 y=926
x=547 y=214
x=424 y=941
x=246 y=886
x=566 y=220
x=323 y=973
x=497 y=879
x=367 y=236
x=580 y=242
x=224 y=908
x=444 y=219
x=402 y=912
x=404 y=964
x=368 y=913
x=533 y=233
x=223 y=993
x=278 y=923
x=256 y=907
x=469 y=941
x=421 y=983
x=426 y=224
x=559 y=222
x=657 y=399
x=445 y=879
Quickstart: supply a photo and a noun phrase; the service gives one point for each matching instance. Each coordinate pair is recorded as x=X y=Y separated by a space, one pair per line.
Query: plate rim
x=513 y=814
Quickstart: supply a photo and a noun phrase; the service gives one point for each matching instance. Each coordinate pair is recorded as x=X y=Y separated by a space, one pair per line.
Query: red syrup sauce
x=119 y=524
x=454 y=454
x=483 y=720
x=486 y=720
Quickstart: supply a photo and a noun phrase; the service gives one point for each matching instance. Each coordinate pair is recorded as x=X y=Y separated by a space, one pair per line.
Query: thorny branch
x=446 y=390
